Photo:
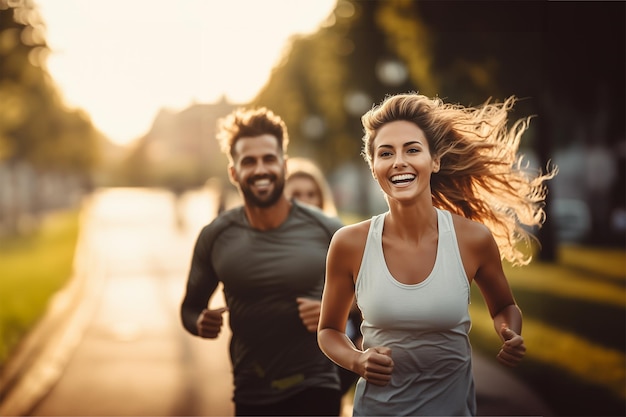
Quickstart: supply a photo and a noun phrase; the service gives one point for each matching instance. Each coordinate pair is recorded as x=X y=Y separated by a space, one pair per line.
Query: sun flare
x=122 y=61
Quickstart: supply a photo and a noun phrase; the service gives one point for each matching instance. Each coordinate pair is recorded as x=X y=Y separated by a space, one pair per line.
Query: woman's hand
x=375 y=365
x=513 y=349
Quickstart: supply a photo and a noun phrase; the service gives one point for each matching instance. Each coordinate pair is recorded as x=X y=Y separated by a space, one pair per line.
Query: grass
x=33 y=268
x=574 y=328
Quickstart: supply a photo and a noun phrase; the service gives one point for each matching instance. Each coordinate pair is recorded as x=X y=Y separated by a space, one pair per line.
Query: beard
x=262 y=200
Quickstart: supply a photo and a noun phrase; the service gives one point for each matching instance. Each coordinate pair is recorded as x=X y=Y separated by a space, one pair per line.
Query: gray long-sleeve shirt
x=263 y=272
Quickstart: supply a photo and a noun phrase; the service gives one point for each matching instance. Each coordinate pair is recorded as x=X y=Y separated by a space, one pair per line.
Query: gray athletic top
x=263 y=272
x=426 y=325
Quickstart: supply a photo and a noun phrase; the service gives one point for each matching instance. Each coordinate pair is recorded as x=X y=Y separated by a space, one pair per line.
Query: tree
x=556 y=57
x=36 y=129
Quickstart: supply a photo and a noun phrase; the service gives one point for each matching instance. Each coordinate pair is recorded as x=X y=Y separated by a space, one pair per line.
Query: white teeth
x=402 y=177
x=262 y=183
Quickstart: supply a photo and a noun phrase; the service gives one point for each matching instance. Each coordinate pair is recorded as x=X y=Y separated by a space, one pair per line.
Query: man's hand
x=513 y=348
x=210 y=322
x=309 y=311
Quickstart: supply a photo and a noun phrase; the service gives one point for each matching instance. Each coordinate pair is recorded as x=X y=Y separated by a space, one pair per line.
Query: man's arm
x=201 y=282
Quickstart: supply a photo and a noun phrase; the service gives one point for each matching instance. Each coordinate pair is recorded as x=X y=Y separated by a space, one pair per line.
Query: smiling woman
x=122 y=61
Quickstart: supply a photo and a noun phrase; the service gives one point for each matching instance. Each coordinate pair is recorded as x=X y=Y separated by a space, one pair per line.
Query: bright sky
x=123 y=60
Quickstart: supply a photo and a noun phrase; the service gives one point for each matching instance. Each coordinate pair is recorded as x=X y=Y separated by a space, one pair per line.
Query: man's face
x=258 y=169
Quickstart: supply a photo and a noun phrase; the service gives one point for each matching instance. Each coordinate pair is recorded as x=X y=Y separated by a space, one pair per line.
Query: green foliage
x=33 y=268
x=35 y=126
x=462 y=51
x=574 y=321
x=448 y=49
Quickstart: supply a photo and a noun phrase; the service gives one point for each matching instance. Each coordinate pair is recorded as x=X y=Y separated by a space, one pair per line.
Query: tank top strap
x=450 y=244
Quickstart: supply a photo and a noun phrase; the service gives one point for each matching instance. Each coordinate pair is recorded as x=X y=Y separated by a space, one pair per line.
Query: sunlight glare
x=122 y=61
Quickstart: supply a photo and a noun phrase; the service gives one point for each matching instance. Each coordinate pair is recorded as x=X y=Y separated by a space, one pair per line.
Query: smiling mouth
x=262 y=183
x=402 y=178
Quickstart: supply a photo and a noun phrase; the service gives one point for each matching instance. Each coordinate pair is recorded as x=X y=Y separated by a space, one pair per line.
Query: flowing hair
x=482 y=177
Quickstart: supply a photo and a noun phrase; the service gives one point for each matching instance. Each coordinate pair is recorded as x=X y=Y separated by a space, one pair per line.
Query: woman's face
x=304 y=189
x=402 y=163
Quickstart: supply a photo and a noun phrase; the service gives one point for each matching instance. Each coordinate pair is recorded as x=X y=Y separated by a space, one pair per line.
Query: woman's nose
x=399 y=161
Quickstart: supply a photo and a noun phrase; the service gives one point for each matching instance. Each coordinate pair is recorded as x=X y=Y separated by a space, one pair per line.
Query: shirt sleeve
x=201 y=282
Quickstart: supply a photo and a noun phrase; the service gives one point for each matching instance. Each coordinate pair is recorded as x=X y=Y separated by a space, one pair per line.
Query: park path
x=112 y=343
x=122 y=350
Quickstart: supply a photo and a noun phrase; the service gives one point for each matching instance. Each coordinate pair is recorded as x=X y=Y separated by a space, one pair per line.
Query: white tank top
x=425 y=325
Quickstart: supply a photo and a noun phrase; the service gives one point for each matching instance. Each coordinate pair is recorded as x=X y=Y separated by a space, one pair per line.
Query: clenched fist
x=309 y=311
x=375 y=365
x=210 y=322
x=513 y=349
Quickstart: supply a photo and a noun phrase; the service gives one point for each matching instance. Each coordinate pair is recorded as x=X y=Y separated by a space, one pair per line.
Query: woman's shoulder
x=352 y=233
x=348 y=244
x=471 y=231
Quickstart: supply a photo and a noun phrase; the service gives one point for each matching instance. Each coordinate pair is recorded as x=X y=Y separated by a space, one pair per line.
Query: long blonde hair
x=482 y=177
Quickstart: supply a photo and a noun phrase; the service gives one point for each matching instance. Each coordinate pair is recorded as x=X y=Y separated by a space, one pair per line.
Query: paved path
x=112 y=343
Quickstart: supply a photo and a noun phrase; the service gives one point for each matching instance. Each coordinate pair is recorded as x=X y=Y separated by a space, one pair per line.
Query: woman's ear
x=436 y=165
